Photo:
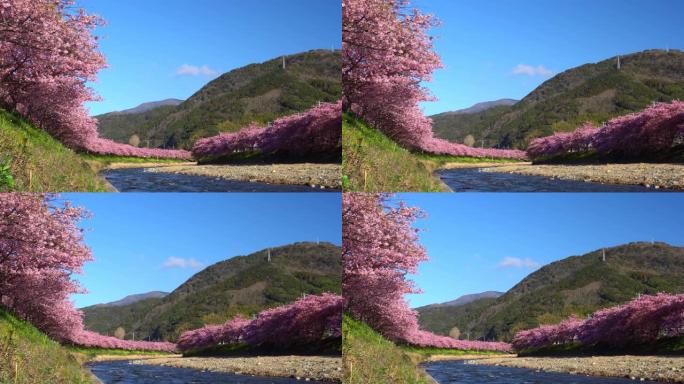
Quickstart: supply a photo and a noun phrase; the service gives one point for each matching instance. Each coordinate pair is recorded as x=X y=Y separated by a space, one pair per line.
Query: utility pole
x=269 y=255
x=283 y=62
x=618 y=63
x=604 y=255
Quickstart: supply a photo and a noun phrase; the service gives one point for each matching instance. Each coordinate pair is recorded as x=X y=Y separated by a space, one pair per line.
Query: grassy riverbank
x=372 y=162
x=32 y=161
x=370 y=358
x=27 y=356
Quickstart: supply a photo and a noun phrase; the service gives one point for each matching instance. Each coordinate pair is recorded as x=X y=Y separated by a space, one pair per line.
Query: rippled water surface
x=137 y=180
x=452 y=372
x=122 y=372
x=474 y=180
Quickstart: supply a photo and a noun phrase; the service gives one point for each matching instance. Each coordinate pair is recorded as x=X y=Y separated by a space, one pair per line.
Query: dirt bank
x=669 y=176
x=479 y=165
x=654 y=368
x=315 y=175
x=129 y=357
x=125 y=165
x=322 y=368
x=462 y=357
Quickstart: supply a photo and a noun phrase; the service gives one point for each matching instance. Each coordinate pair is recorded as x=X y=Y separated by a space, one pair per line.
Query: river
x=122 y=372
x=474 y=180
x=448 y=372
x=137 y=180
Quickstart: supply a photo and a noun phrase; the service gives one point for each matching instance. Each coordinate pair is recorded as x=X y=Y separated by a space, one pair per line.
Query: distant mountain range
x=144 y=107
x=239 y=285
x=480 y=107
x=575 y=285
x=466 y=299
x=591 y=92
x=254 y=93
x=131 y=299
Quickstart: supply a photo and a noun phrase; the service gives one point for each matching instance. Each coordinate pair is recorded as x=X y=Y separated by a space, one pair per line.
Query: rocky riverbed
x=656 y=176
x=650 y=368
x=319 y=368
x=323 y=176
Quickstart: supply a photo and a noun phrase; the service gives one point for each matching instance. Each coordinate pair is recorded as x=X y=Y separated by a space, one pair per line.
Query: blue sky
x=482 y=42
x=147 y=42
x=148 y=242
x=480 y=242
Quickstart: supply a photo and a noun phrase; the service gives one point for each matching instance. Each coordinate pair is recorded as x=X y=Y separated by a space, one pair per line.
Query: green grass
x=36 y=162
x=371 y=162
x=440 y=160
x=27 y=356
x=370 y=358
x=91 y=353
x=427 y=352
x=106 y=160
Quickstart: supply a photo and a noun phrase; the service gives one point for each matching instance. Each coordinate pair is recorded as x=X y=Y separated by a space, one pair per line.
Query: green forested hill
x=242 y=284
x=257 y=92
x=591 y=92
x=575 y=285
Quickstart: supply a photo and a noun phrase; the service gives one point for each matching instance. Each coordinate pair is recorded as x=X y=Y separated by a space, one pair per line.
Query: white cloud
x=524 y=69
x=191 y=70
x=179 y=262
x=515 y=262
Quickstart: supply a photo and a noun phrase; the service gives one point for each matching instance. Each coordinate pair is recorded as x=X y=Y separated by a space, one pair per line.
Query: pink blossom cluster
x=48 y=53
x=314 y=133
x=641 y=321
x=102 y=146
x=386 y=55
x=656 y=128
x=41 y=247
x=379 y=248
x=429 y=339
x=309 y=320
x=444 y=147
x=95 y=340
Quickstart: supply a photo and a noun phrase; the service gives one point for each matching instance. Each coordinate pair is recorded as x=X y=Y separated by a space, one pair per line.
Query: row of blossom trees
x=386 y=55
x=316 y=133
x=48 y=53
x=642 y=321
x=654 y=130
x=308 y=321
x=379 y=248
x=41 y=247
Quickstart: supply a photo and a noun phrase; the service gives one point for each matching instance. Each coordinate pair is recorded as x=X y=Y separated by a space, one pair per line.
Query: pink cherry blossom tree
x=41 y=248
x=656 y=129
x=642 y=321
x=379 y=248
x=313 y=134
x=48 y=53
x=387 y=55
x=308 y=321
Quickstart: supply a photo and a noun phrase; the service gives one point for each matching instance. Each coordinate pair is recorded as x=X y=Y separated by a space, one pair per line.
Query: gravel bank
x=654 y=368
x=668 y=176
x=315 y=175
x=321 y=368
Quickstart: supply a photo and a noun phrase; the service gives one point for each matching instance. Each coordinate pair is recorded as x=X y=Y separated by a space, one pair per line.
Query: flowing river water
x=475 y=180
x=137 y=180
x=123 y=372
x=452 y=372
